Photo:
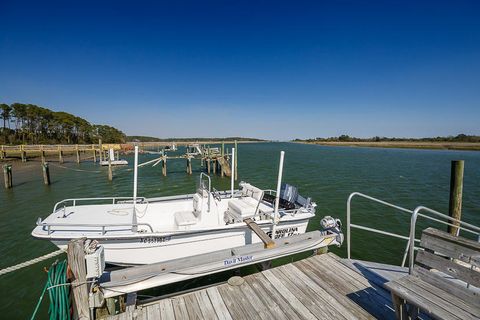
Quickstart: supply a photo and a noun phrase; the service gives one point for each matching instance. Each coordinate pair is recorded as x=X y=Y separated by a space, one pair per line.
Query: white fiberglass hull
x=147 y=248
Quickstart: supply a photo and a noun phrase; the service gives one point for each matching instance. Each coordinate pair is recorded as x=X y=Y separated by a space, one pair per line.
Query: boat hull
x=150 y=248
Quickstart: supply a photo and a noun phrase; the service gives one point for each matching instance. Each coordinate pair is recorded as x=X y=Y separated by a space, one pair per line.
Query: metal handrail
x=349 y=224
x=113 y=199
x=93 y=225
x=202 y=174
x=416 y=213
x=410 y=248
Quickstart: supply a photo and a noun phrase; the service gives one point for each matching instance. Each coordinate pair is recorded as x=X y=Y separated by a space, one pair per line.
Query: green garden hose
x=58 y=291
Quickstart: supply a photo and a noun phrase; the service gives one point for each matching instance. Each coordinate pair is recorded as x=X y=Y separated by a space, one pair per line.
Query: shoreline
x=464 y=146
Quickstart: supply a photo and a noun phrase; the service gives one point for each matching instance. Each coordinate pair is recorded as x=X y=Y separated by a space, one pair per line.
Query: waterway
x=406 y=177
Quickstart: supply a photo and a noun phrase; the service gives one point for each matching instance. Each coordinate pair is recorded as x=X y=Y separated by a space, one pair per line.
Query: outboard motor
x=332 y=226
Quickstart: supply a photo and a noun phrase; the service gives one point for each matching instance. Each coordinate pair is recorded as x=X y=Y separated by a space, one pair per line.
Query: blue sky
x=277 y=70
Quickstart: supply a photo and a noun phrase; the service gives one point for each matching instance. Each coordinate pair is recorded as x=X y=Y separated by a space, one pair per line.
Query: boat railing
x=414 y=214
x=107 y=200
x=270 y=191
x=202 y=177
x=103 y=227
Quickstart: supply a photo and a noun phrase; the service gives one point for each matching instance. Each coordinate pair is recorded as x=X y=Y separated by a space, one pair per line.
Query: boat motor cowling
x=331 y=225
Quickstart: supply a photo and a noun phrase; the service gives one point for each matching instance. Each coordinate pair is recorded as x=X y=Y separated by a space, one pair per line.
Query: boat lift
x=133 y=279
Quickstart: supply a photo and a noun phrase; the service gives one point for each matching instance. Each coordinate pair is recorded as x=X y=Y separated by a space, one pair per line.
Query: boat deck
x=320 y=287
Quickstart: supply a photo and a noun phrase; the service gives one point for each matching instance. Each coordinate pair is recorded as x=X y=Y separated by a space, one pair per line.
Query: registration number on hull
x=155 y=239
x=285 y=232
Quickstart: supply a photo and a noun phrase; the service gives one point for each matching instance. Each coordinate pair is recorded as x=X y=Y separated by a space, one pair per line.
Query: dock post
x=208 y=165
x=78 y=153
x=2 y=153
x=60 y=154
x=23 y=153
x=456 y=191
x=42 y=153
x=76 y=262
x=7 y=176
x=189 y=165
x=164 y=166
x=110 y=172
x=214 y=166
x=236 y=161
x=46 y=173
x=118 y=155
x=100 y=152
x=220 y=165
x=94 y=154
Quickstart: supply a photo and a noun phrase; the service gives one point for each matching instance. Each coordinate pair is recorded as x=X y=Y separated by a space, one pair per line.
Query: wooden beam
x=76 y=262
x=268 y=242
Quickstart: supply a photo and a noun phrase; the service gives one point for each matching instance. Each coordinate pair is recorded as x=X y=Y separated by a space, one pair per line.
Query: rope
x=30 y=262
x=78 y=170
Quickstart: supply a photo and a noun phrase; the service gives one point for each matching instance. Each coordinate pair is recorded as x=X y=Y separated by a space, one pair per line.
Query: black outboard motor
x=332 y=226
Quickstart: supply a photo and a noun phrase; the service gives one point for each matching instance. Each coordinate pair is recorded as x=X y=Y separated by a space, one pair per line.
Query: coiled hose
x=58 y=292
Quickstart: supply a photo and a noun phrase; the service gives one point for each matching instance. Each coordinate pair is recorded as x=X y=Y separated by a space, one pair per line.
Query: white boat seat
x=185 y=218
x=245 y=207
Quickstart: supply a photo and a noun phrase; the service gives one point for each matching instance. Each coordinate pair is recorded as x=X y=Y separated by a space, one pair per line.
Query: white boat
x=112 y=161
x=138 y=230
x=172 y=147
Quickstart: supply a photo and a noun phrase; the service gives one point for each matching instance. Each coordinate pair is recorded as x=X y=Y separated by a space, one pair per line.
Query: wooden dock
x=28 y=151
x=320 y=287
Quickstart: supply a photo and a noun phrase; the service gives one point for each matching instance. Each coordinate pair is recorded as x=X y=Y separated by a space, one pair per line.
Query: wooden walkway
x=319 y=287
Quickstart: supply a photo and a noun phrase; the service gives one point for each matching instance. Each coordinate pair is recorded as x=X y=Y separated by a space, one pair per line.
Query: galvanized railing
x=414 y=214
x=111 y=200
x=102 y=227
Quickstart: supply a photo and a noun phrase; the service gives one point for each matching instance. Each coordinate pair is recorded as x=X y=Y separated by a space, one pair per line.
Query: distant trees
x=37 y=125
x=345 y=138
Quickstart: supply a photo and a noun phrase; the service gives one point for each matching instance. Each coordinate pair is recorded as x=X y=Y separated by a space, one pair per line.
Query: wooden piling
x=214 y=162
x=23 y=154
x=79 y=287
x=456 y=191
x=94 y=155
x=110 y=172
x=164 y=166
x=208 y=165
x=100 y=149
x=189 y=165
x=7 y=176
x=60 y=154
x=46 y=173
x=77 y=153
x=3 y=154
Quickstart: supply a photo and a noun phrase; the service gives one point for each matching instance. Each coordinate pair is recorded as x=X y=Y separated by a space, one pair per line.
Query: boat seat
x=185 y=218
x=246 y=206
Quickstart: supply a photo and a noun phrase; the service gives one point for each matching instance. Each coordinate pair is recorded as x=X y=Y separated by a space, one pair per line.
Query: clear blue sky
x=263 y=69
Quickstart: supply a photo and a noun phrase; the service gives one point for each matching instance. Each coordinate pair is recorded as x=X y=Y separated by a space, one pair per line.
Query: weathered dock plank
x=319 y=287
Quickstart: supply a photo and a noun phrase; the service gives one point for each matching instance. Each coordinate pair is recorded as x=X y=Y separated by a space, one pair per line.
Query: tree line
x=345 y=138
x=32 y=124
x=154 y=139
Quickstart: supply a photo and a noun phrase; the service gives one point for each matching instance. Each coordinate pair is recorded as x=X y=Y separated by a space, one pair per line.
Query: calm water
x=327 y=174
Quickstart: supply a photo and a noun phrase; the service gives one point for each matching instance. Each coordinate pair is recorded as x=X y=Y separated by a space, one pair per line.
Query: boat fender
x=331 y=225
